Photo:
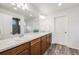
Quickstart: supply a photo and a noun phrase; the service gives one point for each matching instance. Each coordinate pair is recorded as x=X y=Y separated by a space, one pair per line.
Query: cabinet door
x=25 y=52
x=35 y=47
x=44 y=43
x=48 y=40
x=17 y=50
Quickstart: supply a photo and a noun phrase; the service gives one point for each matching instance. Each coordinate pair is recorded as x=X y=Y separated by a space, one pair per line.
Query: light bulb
x=26 y=6
x=42 y=17
x=13 y=3
x=59 y=4
x=15 y=8
x=31 y=15
x=23 y=8
x=18 y=5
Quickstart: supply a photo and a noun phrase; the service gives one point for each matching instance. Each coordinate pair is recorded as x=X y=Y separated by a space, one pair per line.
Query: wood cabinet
x=49 y=40
x=35 y=47
x=17 y=50
x=25 y=52
x=43 y=44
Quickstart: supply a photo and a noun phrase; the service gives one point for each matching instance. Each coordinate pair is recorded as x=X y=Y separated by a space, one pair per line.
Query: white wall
x=73 y=28
x=45 y=24
x=6 y=23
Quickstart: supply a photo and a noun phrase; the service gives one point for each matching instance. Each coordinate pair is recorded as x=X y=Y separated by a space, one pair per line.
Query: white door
x=61 y=29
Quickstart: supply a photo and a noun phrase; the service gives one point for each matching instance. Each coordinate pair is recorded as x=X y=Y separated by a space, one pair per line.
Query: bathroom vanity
x=30 y=44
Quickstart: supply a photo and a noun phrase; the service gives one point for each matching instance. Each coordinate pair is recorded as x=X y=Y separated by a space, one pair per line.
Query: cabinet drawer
x=25 y=52
x=44 y=37
x=35 y=41
x=16 y=50
x=35 y=49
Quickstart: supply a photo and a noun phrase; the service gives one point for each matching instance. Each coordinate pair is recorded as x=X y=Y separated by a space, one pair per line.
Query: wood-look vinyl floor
x=57 y=49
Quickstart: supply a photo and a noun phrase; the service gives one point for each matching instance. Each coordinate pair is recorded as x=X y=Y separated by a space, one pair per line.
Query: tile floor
x=57 y=49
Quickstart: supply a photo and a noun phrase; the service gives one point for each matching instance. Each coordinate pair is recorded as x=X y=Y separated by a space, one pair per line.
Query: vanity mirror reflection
x=15 y=26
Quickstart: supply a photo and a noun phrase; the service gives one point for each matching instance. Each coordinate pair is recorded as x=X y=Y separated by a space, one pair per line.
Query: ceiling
x=49 y=8
x=38 y=8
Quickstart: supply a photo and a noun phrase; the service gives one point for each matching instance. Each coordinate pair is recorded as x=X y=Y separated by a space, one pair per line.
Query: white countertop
x=6 y=44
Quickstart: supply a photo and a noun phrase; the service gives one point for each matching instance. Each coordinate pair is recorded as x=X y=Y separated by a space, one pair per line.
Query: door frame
x=67 y=35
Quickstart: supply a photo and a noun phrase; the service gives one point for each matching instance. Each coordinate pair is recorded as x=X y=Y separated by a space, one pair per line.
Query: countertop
x=6 y=44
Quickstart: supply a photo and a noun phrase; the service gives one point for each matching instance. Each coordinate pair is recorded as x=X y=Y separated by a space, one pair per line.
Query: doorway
x=61 y=29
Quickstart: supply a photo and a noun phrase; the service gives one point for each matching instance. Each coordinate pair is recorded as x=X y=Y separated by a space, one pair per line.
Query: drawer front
x=16 y=50
x=35 y=49
x=25 y=52
x=35 y=41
